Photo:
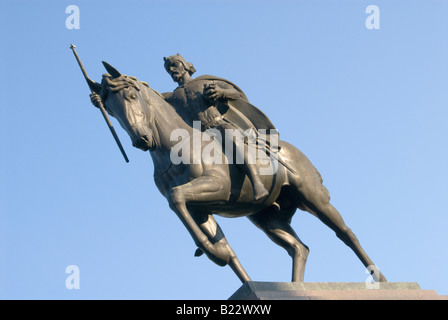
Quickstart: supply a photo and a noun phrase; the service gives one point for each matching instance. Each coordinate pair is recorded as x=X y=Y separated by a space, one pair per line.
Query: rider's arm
x=222 y=91
x=229 y=92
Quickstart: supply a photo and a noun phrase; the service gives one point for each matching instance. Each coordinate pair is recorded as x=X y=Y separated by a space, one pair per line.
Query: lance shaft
x=101 y=107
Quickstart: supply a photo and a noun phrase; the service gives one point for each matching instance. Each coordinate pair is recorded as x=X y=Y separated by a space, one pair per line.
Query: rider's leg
x=259 y=190
x=235 y=141
x=249 y=166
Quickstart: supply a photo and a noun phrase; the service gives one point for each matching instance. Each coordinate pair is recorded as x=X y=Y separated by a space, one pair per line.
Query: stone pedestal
x=253 y=290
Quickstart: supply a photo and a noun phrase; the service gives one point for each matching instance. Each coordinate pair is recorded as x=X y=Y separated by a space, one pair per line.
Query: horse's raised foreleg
x=277 y=226
x=205 y=232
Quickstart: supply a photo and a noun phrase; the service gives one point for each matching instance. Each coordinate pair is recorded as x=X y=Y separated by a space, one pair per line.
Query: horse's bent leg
x=203 y=189
x=319 y=202
x=277 y=226
x=215 y=234
x=177 y=204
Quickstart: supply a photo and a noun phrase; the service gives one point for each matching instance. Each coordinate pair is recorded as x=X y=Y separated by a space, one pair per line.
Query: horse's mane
x=123 y=81
x=119 y=83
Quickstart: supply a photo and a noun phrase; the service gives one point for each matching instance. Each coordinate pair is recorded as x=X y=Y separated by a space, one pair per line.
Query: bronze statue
x=197 y=191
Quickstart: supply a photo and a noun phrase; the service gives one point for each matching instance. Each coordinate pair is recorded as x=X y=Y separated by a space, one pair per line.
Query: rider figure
x=199 y=97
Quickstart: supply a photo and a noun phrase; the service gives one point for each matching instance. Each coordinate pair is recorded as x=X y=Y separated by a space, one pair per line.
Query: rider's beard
x=177 y=76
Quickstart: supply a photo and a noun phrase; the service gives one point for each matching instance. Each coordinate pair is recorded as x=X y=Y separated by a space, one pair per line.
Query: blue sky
x=368 y=107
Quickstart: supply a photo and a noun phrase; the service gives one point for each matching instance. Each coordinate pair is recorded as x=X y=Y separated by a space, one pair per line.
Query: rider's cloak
x=240 y=111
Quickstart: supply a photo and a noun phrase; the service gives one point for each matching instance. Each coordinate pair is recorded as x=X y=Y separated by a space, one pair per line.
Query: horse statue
x=197 y=190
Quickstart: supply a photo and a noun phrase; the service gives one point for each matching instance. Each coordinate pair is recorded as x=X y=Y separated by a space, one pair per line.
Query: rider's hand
x=95 y=99
x=213 y=92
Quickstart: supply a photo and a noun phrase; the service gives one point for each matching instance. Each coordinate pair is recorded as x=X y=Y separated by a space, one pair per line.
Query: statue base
x=254 y=290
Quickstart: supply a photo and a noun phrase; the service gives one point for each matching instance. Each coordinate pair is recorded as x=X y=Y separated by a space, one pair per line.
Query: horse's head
x=126 y=99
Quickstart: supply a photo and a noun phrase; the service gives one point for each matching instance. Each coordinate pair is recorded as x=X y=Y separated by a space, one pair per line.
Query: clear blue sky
x=368 y=107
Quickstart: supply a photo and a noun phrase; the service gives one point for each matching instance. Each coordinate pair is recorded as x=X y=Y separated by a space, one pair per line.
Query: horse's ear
x=94 y=86
x=112 y=71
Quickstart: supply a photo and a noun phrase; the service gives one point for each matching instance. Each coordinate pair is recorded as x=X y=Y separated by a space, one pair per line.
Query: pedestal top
x=254 y=290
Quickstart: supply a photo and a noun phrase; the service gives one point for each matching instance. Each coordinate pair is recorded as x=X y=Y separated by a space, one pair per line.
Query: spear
x=101 y=107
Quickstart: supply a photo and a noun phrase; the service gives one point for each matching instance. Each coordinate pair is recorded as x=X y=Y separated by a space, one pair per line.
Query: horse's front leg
x=210 y=227
x=204 y=188
x=177 y=202
x=203 y=229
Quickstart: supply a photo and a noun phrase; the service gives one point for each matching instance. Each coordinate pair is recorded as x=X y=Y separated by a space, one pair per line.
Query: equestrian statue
x=214 y=153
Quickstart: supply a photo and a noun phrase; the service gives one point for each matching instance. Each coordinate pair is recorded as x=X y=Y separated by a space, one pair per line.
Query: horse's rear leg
x=277 y=226
x=204 y=230
x=318 y=201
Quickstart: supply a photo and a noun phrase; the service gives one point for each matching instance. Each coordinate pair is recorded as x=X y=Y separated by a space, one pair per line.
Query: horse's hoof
x=218 y=253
